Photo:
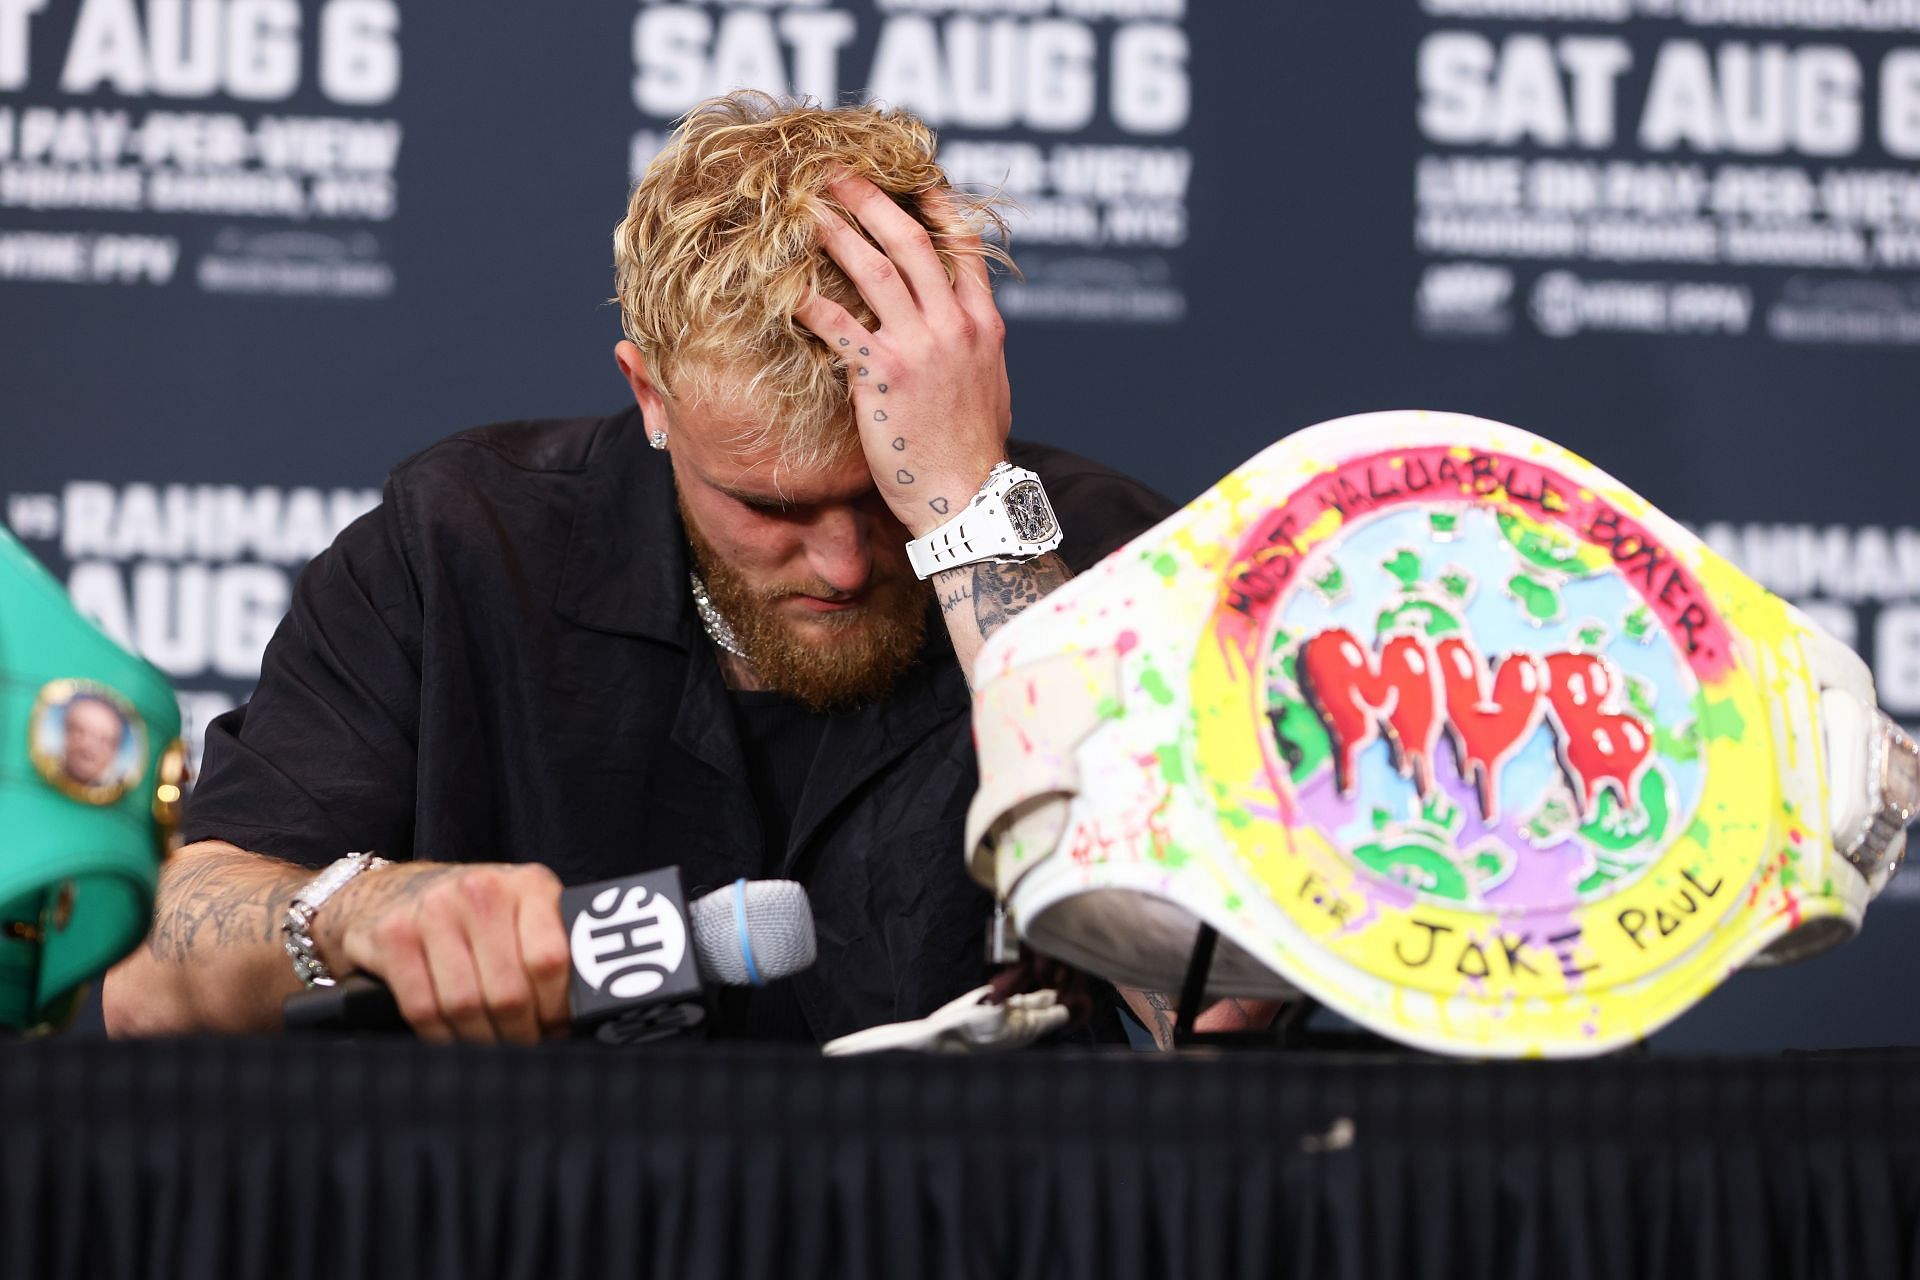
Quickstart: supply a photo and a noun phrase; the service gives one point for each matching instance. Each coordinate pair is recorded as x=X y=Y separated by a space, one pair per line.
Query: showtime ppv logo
x=1420 y=687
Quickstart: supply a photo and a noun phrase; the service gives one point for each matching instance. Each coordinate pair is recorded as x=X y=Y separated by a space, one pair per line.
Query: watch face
x=1027 y=508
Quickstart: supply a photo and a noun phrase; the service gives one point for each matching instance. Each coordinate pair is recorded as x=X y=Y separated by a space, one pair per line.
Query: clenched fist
x=472 y=951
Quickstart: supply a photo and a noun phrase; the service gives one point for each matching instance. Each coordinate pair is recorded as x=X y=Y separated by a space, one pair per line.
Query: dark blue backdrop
x=254 y=251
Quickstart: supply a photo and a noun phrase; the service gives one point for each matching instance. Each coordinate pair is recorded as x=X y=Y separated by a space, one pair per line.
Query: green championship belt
x=91 y=773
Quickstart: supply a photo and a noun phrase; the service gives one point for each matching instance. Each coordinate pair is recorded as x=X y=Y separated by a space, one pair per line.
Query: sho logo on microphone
x=629 y=942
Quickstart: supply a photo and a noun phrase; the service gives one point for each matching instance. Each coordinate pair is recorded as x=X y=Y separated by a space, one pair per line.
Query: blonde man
x=691 y=633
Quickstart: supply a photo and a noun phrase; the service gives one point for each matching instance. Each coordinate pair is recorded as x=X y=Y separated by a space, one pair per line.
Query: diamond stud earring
x=658 y=439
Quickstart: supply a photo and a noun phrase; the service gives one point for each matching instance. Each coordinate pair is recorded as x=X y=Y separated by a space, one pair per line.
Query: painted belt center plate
x=1494 y=739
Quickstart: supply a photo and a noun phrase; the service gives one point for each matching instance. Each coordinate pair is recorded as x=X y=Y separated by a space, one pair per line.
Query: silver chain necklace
x=718 y=629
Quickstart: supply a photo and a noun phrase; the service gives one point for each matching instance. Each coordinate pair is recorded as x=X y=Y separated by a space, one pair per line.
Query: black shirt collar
x=626 y=562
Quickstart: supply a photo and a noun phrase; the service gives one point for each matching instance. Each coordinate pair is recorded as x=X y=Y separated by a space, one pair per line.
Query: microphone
x=634 y=975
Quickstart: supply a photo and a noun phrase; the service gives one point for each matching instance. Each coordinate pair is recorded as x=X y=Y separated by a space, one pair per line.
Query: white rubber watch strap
x=984 y=530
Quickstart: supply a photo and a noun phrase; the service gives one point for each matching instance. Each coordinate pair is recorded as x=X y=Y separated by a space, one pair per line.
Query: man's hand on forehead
x=929 y=381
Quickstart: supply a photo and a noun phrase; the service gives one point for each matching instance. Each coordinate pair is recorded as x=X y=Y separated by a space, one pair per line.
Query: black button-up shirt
x=502 y=663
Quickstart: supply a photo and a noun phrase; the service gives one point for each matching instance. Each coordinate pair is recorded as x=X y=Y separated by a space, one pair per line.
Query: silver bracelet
x=296 y=931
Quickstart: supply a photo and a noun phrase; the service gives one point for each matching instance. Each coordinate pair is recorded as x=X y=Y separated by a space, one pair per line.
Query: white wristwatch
x=296 y=931
x=1008 y=521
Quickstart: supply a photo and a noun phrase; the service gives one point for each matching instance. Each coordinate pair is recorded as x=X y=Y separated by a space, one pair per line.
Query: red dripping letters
x=1354 y=698
x=1488 y=714
x=1487 y=724
x=1599 y=747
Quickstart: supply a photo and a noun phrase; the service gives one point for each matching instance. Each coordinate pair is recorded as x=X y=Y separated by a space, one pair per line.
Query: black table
x=261 y=1158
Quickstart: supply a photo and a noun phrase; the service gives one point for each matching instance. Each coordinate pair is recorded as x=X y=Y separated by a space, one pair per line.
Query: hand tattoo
x=375 y=893
x=951 y=600
x=1003 y=591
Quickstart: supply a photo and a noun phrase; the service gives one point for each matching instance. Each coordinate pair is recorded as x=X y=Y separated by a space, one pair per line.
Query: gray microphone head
x=754 y=929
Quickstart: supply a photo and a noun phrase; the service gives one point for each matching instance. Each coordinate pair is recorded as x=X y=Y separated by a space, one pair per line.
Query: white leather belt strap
x=1028 y=774
x=1873 y=766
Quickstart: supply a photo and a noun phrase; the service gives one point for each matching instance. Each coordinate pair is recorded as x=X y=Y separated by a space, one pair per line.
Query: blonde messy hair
x=721 y=245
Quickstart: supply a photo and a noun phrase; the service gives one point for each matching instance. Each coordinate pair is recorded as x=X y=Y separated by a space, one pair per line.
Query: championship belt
x=1437 y=723
x=91 y=775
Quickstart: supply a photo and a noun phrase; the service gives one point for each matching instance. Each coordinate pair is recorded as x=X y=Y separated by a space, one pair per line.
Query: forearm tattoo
x=1003 y=591
x=220 y=900
x=214 y=900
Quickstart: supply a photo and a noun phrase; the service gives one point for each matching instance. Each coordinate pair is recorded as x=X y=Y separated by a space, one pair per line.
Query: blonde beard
x=861 y=655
